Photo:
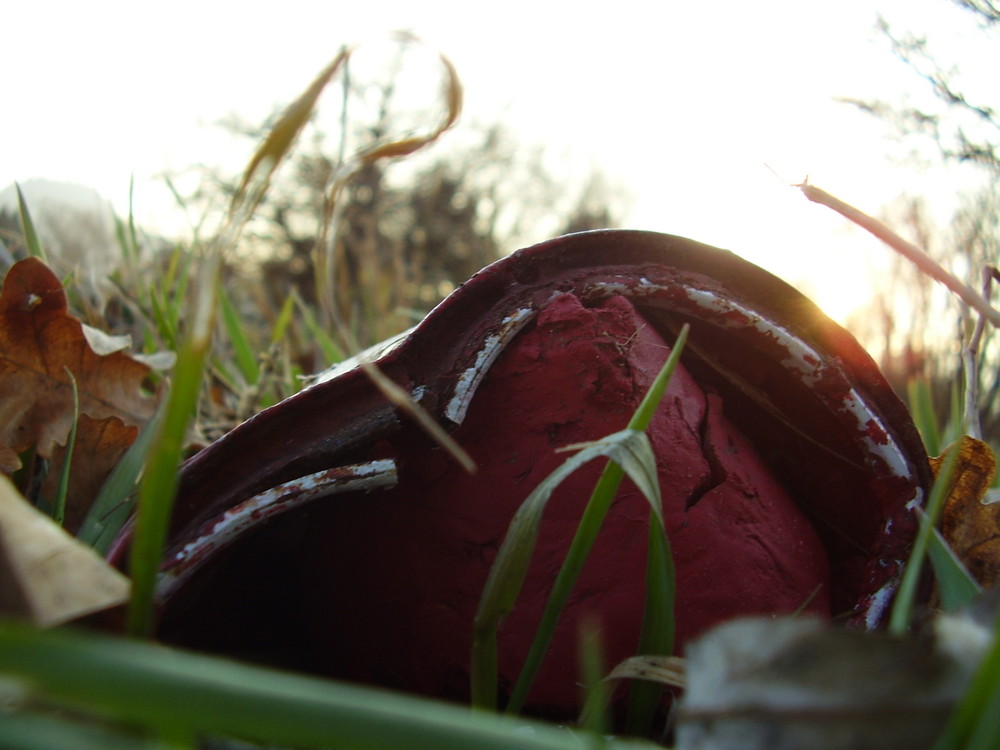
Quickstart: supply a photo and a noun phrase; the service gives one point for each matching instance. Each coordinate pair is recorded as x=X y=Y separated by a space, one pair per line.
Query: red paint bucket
x=329 y=533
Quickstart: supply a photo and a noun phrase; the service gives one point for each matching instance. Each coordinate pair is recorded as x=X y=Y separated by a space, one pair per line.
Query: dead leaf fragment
x=40 y=345
x=792 y=683
x=45 y=574
x=971 y=527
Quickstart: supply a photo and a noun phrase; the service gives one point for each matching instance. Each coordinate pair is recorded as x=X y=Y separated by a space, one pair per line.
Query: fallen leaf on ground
x=971 y=527
x=46 y=575
x=792 y=683
x=41 y=347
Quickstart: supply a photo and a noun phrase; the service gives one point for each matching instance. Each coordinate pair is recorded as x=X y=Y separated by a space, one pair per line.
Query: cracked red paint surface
x=740 y=543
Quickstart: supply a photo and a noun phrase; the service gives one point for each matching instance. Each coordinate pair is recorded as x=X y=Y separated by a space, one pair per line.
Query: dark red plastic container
x=329 y=533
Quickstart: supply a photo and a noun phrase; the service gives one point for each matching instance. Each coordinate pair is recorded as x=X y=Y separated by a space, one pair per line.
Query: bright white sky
x=684 y=104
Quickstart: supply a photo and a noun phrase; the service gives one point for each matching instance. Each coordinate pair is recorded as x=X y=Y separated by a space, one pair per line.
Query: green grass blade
x=133 y=245
x=183 y=269
x=918 y=395
x=583 y=541
x=159 y=485
x=513 y=559
x=243 y=352
x=31 y=241
x=902 y=607
x=172 y=691
x=658 y=627
x=640 y=464
x=956 y=585
x=644 y=414
x=32 y=731
x=59 y=514
x=284 y=320
x=593 y=516
x=120 y=237
x=115 y=501
x=331 y=352
x=594 y=717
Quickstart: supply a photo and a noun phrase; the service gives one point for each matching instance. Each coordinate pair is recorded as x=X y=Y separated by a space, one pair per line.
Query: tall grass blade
x=658 y=628
x=283 y=321
x=171 y=692
x=159 y=484
x=629 y=452
x=133 y=235
x=62 y=490
x=902 y=607
x=31 y=241
x=21 y=730
x=115 y=501
x=331 y=352
x=243 y=352
x=120 y=237
x=594 y=717
x=918 y=393
x=514 y=557
x=956 y=586
x=660 y=592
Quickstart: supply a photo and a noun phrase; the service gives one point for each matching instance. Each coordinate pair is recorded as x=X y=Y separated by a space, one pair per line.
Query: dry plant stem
x=908 y=250
x=405 y=401
x=327 y=242
x=970 y=354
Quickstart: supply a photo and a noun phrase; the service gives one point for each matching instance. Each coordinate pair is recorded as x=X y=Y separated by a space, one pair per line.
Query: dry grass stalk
x=970 y=352
x=908 y=250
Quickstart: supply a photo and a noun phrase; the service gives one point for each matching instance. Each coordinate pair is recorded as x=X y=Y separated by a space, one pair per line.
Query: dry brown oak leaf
x=972 y=527
x=40 y=345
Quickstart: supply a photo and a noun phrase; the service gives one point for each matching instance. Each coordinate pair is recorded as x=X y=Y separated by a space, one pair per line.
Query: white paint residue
x=879 y=603
x=808 y=364
x=238 y=520
x=371 y=354
x=469 y=381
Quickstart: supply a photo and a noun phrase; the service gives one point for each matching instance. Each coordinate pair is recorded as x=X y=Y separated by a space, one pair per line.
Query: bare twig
x=908 y=250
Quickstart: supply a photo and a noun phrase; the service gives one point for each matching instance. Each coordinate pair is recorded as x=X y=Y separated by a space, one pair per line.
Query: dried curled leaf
x=42 y=350
x=971 y=527
x=787 y=684
x=45 y=574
